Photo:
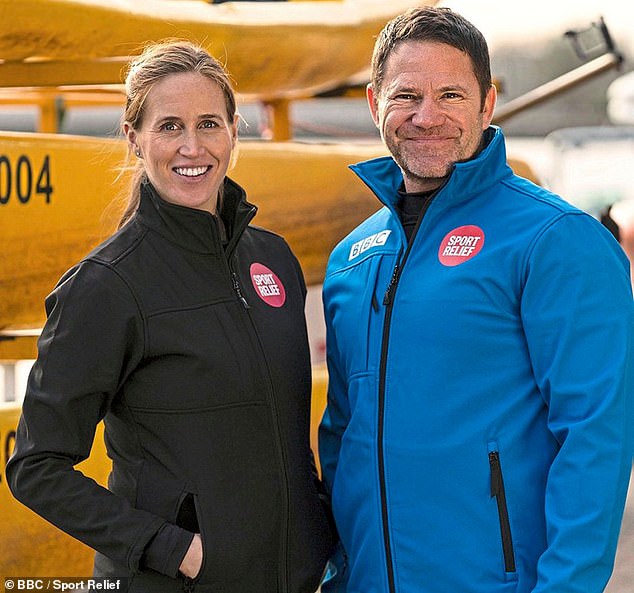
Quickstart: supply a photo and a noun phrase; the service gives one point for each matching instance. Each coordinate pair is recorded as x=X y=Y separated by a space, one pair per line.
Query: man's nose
x=427 y=114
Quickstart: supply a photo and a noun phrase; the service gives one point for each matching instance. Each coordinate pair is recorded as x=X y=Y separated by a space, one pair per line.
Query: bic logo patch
x=372 y=241
x=460 y=245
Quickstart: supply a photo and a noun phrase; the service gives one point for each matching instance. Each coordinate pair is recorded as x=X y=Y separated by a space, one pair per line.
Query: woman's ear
x=131 y=137
x=234 y=130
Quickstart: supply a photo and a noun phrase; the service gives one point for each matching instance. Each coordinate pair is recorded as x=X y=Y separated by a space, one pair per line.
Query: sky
x=502 y=21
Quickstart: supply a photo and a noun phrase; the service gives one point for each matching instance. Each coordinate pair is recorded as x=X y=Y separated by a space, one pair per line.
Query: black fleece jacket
x=194 y=353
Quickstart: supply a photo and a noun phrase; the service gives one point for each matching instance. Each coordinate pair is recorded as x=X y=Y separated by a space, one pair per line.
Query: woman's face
x=185 y=140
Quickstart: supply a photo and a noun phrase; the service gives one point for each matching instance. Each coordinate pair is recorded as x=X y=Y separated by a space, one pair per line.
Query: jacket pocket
x=373 y=308
x=498 y=491
x=189 y=514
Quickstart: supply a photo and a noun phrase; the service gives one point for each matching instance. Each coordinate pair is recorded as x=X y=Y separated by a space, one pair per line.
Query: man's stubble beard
x=419 y=173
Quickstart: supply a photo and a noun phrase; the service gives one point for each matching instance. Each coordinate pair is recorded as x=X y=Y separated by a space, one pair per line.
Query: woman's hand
x=193 y=560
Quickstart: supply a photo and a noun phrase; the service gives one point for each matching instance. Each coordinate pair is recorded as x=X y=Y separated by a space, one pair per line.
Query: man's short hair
x=437 y=25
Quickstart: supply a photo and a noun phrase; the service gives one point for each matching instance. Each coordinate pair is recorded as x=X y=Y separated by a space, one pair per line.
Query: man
x=478 y=433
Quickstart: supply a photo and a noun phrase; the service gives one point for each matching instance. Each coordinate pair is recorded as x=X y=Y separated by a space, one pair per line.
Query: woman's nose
x=191 y=144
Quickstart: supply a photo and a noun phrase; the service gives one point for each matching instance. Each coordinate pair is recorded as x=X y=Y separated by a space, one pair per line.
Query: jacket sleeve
x=577 y=312
x=92 y=340
x=337 y=414
x=333 y=425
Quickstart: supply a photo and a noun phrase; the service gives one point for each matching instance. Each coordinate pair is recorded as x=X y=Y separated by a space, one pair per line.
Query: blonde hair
x=157 y=61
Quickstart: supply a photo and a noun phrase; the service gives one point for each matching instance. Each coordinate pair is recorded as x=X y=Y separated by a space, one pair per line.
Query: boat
x=56 y=204
x=272 y=49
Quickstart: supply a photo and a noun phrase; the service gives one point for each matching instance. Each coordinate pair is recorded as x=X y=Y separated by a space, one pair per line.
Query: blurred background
x=529 y=48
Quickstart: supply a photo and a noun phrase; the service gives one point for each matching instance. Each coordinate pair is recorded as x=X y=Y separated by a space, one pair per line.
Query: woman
x=185 y=333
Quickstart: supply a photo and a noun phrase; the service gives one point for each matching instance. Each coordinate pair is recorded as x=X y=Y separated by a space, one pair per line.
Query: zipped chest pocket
x=498 y=491
x=355 y=308
x=378 y=281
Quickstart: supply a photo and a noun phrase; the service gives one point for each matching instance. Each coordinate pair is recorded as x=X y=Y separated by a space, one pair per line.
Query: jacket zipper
x=381 y=415
x=264 y=367
x=389 y=293
x=388 y=302
x=498 y=491
x=238 y=290
x=283 y=586
x=235 y=283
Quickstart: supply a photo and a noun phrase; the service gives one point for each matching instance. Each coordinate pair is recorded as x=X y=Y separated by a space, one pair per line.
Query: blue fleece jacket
x=478 y=433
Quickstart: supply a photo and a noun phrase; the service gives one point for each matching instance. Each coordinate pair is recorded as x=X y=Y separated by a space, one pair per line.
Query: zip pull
x=496 y=474
x=375 y=303
x=389 y=293
x=188 y=585
x=238 y=290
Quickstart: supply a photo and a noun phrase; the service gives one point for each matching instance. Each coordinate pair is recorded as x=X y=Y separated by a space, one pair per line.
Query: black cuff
x=166 y=550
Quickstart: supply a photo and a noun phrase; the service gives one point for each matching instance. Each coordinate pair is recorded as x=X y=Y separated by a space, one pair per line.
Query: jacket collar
x=193 y=229
x=384 y=177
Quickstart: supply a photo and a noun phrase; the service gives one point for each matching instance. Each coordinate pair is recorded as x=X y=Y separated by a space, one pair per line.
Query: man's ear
x=489 y=106
x=373 y=103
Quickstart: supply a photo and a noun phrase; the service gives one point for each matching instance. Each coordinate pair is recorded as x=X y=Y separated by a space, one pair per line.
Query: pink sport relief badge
x=460 y=245
x=267 y=285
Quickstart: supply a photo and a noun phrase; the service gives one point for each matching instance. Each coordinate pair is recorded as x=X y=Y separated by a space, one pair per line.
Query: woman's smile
x=186 y=140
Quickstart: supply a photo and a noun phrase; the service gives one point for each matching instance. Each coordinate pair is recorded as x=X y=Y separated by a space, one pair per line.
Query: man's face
x=429 y=111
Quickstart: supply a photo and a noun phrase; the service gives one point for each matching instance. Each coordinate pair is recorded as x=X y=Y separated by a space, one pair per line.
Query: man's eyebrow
x=402 y=88
x=414 y=90
x=453 y=87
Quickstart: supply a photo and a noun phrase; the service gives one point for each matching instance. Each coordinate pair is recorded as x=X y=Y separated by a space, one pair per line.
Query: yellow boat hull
x=56 y=204
x=276 y=49
x=31 y=547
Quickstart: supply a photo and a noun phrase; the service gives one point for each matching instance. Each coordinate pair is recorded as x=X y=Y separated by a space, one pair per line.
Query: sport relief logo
x=372 y=241
x=267 y=285
x=461 y=245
